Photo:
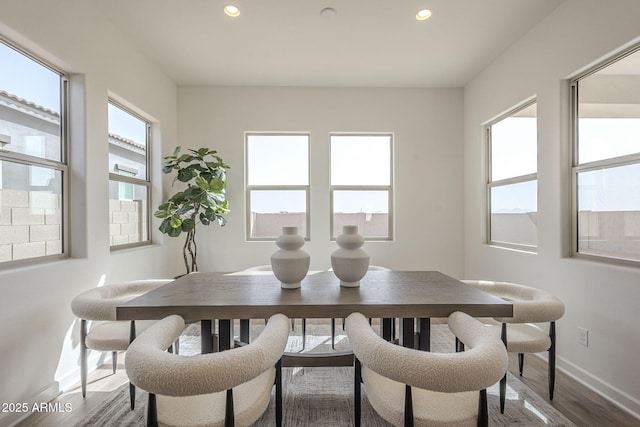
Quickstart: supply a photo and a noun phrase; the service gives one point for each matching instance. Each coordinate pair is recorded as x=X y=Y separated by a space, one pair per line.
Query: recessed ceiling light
x=423 y=14
x=231 y=11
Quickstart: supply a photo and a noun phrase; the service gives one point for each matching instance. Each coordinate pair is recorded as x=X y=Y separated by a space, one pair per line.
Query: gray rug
x=324 y=396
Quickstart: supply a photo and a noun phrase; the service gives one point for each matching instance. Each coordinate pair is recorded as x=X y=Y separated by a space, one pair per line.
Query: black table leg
x=407 y=332
x=386 y=329
x=245 y=327
x=132 y=388
x=225 y=334
x=424 y=334
x=357 y=392
x=206 y=337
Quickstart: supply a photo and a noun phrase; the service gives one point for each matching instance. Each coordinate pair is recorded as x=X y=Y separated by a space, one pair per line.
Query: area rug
x=324 y=396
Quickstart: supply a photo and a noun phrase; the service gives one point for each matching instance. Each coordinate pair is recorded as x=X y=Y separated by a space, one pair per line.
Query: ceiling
x=366 y=43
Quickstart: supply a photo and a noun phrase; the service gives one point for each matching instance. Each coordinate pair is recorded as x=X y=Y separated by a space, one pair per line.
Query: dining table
x=413 y=297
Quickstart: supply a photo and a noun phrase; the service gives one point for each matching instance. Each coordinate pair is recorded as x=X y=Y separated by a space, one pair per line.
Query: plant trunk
x=190 y=252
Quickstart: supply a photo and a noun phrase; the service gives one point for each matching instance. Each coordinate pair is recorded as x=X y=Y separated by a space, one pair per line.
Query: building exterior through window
x=33 y=168
x=512 y=185
x=606 y=160
x=362 y=184
x=129 y=183
x=277 y=184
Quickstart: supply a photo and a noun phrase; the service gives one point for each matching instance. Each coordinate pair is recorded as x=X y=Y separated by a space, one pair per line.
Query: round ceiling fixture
x=328 y=12
x=423 y=14
x=231 y=11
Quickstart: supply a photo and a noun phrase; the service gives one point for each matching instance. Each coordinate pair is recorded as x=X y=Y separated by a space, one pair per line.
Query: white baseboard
x=45 y=395
x=72 y=377
x=69 y=379
x=609 y=392
x=50 y=392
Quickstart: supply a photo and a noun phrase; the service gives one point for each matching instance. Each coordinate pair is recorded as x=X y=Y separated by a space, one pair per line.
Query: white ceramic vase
x=290 y=264
x=350 y=262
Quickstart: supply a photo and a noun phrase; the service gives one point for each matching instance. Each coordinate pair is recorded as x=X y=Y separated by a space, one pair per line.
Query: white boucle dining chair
x=98 y=306
x=520 y=332
x=413 y=387
x=232 y=387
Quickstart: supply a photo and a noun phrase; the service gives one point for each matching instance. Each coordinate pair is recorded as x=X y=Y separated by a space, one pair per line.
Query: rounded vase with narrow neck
x=350 y=262
x=290 y=263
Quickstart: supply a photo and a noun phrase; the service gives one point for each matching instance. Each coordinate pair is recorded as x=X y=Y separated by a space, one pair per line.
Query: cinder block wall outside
x=31 y=223
x=127 y=222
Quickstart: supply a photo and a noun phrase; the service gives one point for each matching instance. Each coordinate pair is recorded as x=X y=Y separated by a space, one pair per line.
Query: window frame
x=250 y=188
x=520 y=179
x=146 y=182
x=61 y=166
x=595 y=165
x=388 y=188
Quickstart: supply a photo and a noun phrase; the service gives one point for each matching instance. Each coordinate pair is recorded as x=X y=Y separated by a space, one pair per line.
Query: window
x=606 y=160
x=361 y=184
x=277 y=184
x=33 y=164
x=129 y=185
x=512 y=187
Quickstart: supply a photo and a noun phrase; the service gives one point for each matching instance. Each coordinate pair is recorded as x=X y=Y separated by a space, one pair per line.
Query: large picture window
x=33 y=163
x=361 y=184
x=512 y=187
x=277 y=177
x=129 y=184
x=606 y=160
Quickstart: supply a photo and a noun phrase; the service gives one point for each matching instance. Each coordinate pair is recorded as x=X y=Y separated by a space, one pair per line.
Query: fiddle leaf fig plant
x=202 y=201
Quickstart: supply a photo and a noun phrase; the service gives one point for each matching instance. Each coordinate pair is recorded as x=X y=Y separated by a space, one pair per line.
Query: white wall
x=35 y=316
x=429 y=189
x=427 y=124
x=600 y=297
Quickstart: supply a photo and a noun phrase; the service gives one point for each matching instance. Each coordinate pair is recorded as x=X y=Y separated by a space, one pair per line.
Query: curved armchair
x=519 y=333
x=214 y=389
x=108 y=334
x=404 y=384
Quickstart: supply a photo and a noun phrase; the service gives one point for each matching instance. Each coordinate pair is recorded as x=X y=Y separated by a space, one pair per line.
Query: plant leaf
x=179 y=198
x=224 y=207
x=203 y=219
x=193 y=194
x=203 y=200
x=175 y=221
x=188 y=225
x=185 y=175
x=184 y=210
x=165 y=226
x=175 y=232
x=203 y=184
x=216 y=185
x=211 y=200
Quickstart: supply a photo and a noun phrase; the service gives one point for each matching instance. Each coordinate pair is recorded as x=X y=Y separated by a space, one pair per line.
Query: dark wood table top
x=417 y=294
